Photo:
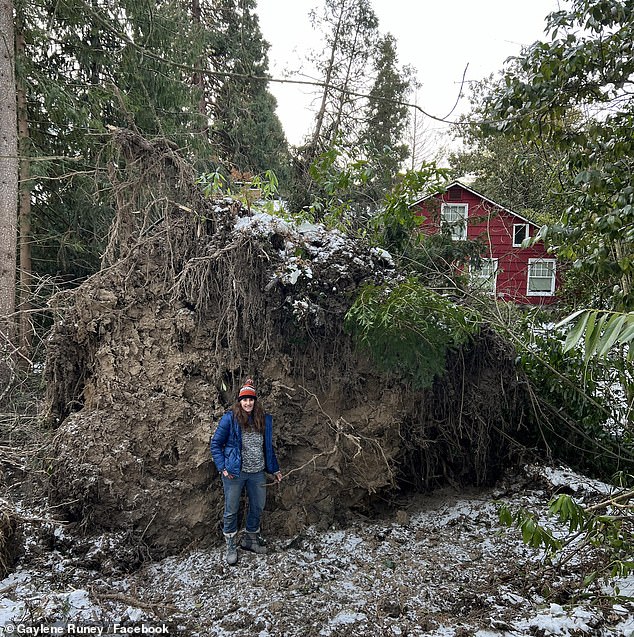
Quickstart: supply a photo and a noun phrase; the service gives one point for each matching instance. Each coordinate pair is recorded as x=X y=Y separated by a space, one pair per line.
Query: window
x=484 y=278
x=521 y=231
x=454 y=217
x=541 y=277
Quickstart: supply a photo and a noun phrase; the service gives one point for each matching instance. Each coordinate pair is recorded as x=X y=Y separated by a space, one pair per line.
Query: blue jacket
x=226 y=445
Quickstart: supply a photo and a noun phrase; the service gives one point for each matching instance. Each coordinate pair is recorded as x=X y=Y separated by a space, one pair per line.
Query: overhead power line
x=261 y=78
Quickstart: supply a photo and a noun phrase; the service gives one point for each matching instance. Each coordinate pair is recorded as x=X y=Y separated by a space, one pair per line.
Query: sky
x=440 y=38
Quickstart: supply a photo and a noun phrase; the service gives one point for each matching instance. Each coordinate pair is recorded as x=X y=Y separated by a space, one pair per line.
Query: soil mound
x=195 y=296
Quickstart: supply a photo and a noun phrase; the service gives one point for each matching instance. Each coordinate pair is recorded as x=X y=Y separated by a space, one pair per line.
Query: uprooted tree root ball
x=196 y=294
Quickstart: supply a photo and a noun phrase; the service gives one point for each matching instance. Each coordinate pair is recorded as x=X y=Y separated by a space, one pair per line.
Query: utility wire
x=261 y=78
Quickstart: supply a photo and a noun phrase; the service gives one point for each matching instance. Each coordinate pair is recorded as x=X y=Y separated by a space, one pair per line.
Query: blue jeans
x=256 y=493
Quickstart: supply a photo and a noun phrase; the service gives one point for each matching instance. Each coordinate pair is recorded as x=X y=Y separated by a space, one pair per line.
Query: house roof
x=485 y=198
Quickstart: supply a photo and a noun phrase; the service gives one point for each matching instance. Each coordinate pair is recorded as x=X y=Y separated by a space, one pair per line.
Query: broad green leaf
x=592 y=335
x=572 y=317
x=576 y=332
x=505 y=516
x=610 y=334
x=528 y=530
x=627 y=332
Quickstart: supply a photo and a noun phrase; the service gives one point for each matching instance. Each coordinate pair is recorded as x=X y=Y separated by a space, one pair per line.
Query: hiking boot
x=231 y=556
x=253 y=542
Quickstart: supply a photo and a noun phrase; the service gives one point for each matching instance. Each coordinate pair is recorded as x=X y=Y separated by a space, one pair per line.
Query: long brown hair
x=257 y=416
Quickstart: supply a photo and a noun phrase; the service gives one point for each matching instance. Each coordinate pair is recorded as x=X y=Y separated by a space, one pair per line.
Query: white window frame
x=458 y=229
x=528 y=233
x=553 y=278
x=485 y=282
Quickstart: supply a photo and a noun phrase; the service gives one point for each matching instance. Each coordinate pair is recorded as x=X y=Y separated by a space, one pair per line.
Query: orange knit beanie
x=247 y=390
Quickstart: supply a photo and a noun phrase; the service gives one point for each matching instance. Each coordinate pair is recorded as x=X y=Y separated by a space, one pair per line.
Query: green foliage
x=569 y=512
x=573 y=404
x=244 y=188
x=585 y=67
x=408 y=329
x=599 y=331
x=515 y=172
x=84 y=70
x=396 y=226
x=385 y=120
x=246 y=127
x=607 y=526
x=533 y=534
x=342 y=198
x=357 y=62
x=605 y=340
x=443 y=262
x=350 y=30
x=340 y=179
x=214 y=184
x=91 y=67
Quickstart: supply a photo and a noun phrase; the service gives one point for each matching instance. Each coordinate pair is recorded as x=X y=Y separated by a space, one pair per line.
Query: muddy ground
x=441 y=565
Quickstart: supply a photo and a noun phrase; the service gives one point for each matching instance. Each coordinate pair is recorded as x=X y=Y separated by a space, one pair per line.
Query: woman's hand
x=226 y=474
x=278 y=476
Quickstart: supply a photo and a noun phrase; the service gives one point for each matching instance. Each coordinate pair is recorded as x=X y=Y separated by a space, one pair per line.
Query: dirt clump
x=147 y=354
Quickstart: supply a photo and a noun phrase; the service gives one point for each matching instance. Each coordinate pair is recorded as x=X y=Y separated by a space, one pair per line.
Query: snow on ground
x=440 y=566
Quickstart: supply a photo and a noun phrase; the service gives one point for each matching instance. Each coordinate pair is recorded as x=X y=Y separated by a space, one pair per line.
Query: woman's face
x=247 y=404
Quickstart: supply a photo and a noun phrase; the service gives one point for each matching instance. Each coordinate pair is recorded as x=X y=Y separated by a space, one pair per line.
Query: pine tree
x=87 y=67
x=246 y=127
x=386 y=119
x=164 y=70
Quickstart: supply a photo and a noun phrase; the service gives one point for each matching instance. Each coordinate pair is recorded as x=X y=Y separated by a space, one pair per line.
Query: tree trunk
x=8 y=187
x=343 y=96
x=24 y=207
x=314 y=144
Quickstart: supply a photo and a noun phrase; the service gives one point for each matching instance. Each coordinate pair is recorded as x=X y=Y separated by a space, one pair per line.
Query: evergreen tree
x=385 y=120
x=350 y=29
x=88 y=67
x=351 y=34
x=248 y=131
x=163 y=70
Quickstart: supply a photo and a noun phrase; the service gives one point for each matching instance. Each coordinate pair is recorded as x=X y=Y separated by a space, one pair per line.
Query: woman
x=242 y=450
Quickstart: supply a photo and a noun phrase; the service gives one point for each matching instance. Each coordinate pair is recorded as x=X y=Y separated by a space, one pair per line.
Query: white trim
x=461 y=226
x=483 y=283
x=528 y=233
x=475 y=192
x=550 y=292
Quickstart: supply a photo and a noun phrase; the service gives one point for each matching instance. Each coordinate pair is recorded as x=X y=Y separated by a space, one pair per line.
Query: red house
x=509 y=271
